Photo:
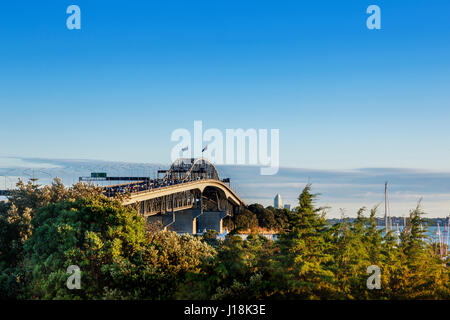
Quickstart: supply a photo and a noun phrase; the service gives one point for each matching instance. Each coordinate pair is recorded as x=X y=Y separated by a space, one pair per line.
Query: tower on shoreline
x=278 y=202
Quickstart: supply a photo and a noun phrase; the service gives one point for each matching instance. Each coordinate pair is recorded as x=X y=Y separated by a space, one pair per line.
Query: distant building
x=287 y=206
x=278 y=202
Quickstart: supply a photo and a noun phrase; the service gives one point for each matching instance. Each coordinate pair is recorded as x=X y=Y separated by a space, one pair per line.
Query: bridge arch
x=188 y=169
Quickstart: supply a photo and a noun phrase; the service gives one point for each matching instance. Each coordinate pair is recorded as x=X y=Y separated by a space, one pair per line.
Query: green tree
x=245 y=220
x=303 y=268
x=266 y=217
x=96 y=234
x=16 y=228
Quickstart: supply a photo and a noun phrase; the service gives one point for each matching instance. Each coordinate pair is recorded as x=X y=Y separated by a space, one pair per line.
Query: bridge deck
x=186 y=186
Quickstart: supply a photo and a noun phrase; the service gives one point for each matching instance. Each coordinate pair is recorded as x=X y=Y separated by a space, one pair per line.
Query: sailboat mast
x=398 y=235
x=448 y=232
x=438 y=234
x=386 y=222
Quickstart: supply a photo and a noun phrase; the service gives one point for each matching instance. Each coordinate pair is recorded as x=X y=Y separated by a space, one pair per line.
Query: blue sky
x=342 y=96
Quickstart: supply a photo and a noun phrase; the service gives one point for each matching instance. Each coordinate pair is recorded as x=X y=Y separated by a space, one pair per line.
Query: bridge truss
x=188 y=169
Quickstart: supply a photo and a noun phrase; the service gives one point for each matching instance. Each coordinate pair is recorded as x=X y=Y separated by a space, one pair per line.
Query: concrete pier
x=190 y=221
x=211 y=220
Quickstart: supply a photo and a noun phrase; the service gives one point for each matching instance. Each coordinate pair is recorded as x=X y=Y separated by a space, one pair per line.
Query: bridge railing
x=166 y=187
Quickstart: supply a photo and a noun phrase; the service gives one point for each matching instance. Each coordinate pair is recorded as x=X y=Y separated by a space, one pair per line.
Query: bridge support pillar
x=211 y=220
x=161 y=220
x=190 y=221
x=185 y=221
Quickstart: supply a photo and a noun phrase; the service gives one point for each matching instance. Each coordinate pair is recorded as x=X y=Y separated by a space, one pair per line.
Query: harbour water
x=430 y=234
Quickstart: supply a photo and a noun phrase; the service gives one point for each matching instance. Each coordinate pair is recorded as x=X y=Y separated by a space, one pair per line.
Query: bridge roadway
x=200 y=185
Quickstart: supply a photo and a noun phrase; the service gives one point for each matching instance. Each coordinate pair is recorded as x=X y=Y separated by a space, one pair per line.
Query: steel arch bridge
x=188 y=199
